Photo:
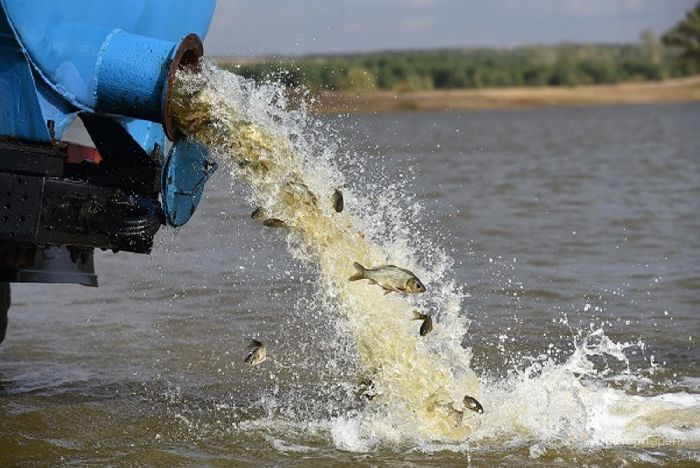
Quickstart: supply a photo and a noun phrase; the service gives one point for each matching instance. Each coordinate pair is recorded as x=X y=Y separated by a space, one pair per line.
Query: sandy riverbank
x=673 y=90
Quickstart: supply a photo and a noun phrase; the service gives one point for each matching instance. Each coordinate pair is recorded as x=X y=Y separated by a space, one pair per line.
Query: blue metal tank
x=110 y=63
x=62 y=57
x=99 y=56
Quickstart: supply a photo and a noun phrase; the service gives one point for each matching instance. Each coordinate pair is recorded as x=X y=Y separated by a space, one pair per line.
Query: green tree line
x=562 y=65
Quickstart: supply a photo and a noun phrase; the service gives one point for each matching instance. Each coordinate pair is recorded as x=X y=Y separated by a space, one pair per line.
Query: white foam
x=569 y=404
x=566 y=403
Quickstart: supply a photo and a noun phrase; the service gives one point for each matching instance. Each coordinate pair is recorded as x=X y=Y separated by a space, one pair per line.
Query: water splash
x=568 y=404
x=291 y=175
x=289 y=165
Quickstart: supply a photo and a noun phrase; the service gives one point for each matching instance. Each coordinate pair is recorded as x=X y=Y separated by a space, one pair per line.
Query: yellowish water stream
x=410 y=380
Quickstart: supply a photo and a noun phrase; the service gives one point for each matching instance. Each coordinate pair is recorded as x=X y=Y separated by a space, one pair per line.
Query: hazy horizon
x=254 y=58
x=267 y=28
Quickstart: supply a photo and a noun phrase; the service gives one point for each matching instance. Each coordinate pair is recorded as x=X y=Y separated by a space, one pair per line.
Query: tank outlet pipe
x=134 y=75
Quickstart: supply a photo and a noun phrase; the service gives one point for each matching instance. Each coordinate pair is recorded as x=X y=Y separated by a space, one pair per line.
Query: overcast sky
x=290 y=27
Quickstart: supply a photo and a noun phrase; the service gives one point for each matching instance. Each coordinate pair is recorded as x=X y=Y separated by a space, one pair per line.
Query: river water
x=574 y=247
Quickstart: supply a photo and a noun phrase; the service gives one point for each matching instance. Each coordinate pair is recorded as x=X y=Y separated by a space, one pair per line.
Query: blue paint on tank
x=107 y=57
x=61 y=57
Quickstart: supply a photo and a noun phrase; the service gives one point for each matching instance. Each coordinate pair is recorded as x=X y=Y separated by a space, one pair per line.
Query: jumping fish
x=258 y=353
x=427 y=325
x=261 y=165
x=259 y=213
x=472 y=404
x=295 y=191
x=390 y=278
x=365 y=388
x=443 y=404
x=275 y=223
x=337 y=199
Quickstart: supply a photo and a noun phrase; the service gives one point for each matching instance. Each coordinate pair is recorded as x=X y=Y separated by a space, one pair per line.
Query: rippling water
x=574 y=234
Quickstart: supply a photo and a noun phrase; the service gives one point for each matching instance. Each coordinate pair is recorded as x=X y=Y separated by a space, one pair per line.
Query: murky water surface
x=574 y=234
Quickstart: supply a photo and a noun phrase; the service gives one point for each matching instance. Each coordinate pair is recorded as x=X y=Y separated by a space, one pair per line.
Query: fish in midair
x=296 y=191
x=260 y=165
x=390 y=278
x=275 y=223
x=257 y=355
x=259 y=213
x=443 y=404
x=472 y=404
x=338 y=202
x=365 y=388
x=427 y=325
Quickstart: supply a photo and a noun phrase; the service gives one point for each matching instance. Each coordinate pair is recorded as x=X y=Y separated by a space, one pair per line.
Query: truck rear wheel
x=4 y=306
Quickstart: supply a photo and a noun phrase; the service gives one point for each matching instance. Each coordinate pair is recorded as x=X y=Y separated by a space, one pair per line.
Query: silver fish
x=260 y=165
x=257 y=355
x=443 y=404
x=365 y=388
x=297 y=191
x=259 y=213
x=472 y=404
x=338 y=202
x=390 y=278
x=275 y=223
x=427 y=325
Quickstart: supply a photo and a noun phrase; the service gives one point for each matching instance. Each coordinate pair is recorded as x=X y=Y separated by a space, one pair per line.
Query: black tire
x=4 y=306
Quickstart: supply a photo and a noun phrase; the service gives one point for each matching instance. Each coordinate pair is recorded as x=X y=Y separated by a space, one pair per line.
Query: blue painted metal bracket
x=187 y=168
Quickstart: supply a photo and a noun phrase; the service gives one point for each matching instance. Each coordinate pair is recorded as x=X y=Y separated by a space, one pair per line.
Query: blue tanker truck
x=111 y=65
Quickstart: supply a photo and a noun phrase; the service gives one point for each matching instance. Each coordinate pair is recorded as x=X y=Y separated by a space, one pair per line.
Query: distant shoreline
x=654 y=92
